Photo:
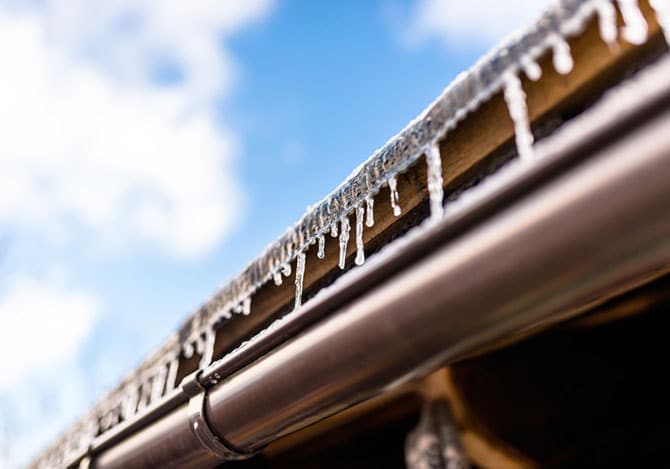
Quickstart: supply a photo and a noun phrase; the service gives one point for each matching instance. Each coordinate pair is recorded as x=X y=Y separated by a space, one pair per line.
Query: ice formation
x=563 y=62
x=276 y=276
x=360 y=249
x=299 y=278
x=607 y=22
x=635 y=26
x=344 y=240
x=434 y=180
x=393 y=188
x=321 y=249
x=518 y=111
x=333 y=229
x=531 y=68
x=369 y=208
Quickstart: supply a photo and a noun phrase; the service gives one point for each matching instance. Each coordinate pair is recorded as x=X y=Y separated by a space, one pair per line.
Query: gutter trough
x=586 y=222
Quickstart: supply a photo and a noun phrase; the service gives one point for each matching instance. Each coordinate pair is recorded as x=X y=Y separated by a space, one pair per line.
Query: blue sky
x=151 y=149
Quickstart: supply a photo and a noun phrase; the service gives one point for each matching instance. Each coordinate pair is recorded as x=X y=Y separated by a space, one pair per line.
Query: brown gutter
x=556 y=158
x=581 y=238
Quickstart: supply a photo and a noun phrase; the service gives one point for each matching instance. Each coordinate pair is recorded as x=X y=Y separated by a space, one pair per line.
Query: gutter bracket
x=200 y=428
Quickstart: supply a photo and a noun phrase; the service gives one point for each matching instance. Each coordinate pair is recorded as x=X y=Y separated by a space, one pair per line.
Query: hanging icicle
x=393 y=187
x=518 y=111
x=531 y=68
x=286 y=269
x=299 y=277
x=360 y=252
x=321 y=249
x=276 y=276
x=562 y=59
x=607 y=22
x=344 y=240
x=434 y=178
x=662 y=9
x=246 y=306
x=333 y=229
x=369 y=210
x=635 y=28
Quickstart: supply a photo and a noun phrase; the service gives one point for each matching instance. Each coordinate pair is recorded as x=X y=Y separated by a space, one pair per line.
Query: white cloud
x=92 y=138
x=110 y=136
x=41 y=324
x=40 y=412
x=467 y=23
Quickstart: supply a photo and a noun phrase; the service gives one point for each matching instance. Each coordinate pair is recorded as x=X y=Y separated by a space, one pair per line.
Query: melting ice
x=276 y=276
x=562 y=60
x=531 y=68
x=607 y=22
x=333 y=229
x=299 y=277
x=434 y=177
x=321 y=250
x=393 y=187
x=370 y=207
x=635 y=26
x=344 y=240
x=518 y=111
x=360 y=252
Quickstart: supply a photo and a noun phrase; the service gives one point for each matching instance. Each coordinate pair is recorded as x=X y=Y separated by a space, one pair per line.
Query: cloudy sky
x=149 y=149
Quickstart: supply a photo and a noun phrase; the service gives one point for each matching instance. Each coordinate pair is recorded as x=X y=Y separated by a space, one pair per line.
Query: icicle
x=286 y=269
x=393 y=187
x=434 y=177
x=369 y=209
x=607 y=22
x=299 y=276
x=531 y=68
x=518 y=111
x=333 y=229
x=360 y=253
x=635 y=26
x=189 y=349
x=321 y=251
x=344 y=240
x=563 y=62
x=662 y=9
x=246 y=306
x=276 y=276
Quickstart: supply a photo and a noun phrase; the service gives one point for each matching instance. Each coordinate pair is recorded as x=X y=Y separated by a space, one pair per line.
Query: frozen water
x=276 y=276
x=344 y=240
x=393 y=187
x=333 y=229
x=360 y=252
x=635 y=26
x=299 y=277
x=662 y=8
x=563 y=62
x=434 y=177
x=321 y=250
x=286 y=269
x=531 y=68
x=246 y=306
x=607 y=22
x=370 y=211
x=518 y=111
